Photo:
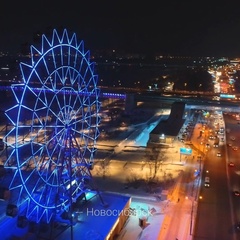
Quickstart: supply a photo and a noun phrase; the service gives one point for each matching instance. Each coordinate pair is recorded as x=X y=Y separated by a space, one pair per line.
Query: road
x=179 y=221
x=214 y=215
x=233 y=156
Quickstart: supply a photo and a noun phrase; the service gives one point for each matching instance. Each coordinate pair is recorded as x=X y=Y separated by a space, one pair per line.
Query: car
x=231 y=164
x=232 y=138
x=219 y=154
x=236 y=193
x=230 y=144
x=207 y=182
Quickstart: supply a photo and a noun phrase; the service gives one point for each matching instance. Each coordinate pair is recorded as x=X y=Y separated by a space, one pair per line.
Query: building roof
x=169 y=128
x=95 y=220
x=173 y=124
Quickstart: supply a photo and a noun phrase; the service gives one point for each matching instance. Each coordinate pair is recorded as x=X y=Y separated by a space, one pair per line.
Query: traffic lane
x=214 y=220
x=234 y=183
x=233 y=156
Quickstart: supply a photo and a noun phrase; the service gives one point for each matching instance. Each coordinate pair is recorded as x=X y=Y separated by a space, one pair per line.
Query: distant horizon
x=119 y=51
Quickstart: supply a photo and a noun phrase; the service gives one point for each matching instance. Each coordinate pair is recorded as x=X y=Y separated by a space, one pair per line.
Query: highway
x=233 y=154
x=217 y=208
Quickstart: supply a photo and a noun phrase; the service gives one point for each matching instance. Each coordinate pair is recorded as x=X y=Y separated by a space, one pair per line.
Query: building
x=167 y=130
x=99 y=218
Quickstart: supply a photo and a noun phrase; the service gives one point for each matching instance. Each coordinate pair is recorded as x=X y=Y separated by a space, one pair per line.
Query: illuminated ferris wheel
x=53 y=127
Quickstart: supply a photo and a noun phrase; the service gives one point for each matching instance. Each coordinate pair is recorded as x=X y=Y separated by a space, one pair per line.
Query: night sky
x=173 y=27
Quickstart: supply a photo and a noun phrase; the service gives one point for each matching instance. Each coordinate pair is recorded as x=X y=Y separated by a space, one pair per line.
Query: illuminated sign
x=227 y=96
x=186 y=151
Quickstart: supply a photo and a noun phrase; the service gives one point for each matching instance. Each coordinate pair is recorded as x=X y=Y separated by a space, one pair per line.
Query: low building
x=101 y=217
x=167 y=130
x=101 y=221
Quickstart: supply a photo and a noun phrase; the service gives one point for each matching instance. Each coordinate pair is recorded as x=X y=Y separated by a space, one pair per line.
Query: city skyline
x=182 y=28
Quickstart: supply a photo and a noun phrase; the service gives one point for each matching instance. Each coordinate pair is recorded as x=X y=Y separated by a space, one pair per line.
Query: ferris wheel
x=53 y=127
